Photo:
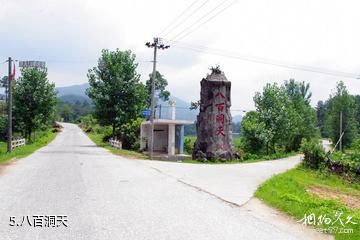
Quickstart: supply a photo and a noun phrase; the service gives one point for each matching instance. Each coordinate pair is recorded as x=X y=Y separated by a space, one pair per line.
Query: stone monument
x=214 y=130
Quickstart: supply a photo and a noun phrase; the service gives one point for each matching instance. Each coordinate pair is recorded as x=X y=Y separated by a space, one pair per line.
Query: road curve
x=104 y=196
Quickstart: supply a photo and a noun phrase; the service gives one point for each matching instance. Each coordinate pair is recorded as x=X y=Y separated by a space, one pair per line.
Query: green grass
x=42 y=139
x=288 y=192
x=97 y=138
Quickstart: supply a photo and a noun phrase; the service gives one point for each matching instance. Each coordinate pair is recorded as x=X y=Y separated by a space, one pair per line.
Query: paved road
x=109 y=197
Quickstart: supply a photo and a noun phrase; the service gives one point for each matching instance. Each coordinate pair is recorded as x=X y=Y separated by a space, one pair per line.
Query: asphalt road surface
x=102 y=196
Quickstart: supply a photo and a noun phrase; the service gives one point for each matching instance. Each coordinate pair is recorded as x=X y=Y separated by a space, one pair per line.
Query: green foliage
x=42 y=139
x=321 y=109
x=160 y=86
x=346 y=164
x=283 y=117
x=115 y=89
x=86 y=122
x=254 y=132
x=72 y=112
x=34 y=101
x=341 y=101
x=188 y=145
x=314 y=154
x=290 y=193
x=3 y=127
x=129 y=134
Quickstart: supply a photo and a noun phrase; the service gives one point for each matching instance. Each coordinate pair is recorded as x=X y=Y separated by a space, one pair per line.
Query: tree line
x=284 y=118
x=34 y=100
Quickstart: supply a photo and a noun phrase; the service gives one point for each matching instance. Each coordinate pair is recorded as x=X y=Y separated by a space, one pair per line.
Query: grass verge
x=258 y=159
x=296 y=192
x=98 y=140
x=42 y=139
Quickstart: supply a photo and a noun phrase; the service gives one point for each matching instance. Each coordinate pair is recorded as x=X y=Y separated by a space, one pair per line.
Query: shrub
x=314 y=154
x=129 y=134
x=188 y=145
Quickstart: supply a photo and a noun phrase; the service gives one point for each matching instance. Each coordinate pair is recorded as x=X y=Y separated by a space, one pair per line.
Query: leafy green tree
x=130 y=133
x=320 y=114
x=160 y=87
x=357 y=101
x=304 y=124
x=254 y=132
x=272 y=106
x=341 y=101
x=283 y=118
x=115 y=89
x=64 y=111
x=34 y=101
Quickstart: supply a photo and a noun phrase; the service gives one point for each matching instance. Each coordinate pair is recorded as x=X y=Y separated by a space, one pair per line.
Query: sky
x=69 y=35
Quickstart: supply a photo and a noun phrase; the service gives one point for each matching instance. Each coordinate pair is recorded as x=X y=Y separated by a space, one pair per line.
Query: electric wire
x=266 y=61
x=178 y=17
x=190 y=29
x=188 y=17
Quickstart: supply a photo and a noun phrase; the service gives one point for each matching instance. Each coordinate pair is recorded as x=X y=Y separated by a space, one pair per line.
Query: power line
x=188 y=17
x=272 y=62
x=178 y=17
x=189 y=29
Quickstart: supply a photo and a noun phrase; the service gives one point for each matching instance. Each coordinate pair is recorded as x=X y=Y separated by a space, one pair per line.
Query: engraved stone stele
x=214 y=130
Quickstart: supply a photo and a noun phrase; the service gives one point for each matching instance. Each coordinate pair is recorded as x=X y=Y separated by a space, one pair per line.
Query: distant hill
x=73 y=90
x=237 y=118
x=73 y=98
x=74 y=93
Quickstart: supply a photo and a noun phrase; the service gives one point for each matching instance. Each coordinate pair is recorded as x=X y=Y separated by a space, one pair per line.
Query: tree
x=320 y=114
x=304 y=116
x=160 y=86
x=357 y=101
x=341 y=101
x=115 y=89
x=282 y=119
x=272 y=106
x=254 y=131
x=64 y=111
x=34 y=101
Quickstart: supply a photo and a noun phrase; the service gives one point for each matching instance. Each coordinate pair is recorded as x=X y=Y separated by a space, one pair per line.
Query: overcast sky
x=69 y=36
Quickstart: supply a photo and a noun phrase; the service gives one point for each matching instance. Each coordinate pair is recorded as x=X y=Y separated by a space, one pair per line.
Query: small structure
x=214 y=130
x=115 y=143
x=18 y=142
x=168 y=135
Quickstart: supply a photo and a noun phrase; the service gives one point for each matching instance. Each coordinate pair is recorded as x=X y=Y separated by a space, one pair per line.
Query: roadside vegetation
x=325 y=189
x=101 y=134
x=118 y=99
x=34 y=100
x=42 y=139
x=247 y=157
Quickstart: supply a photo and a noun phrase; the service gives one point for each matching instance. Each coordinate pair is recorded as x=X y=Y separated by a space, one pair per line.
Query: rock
x=214 y=130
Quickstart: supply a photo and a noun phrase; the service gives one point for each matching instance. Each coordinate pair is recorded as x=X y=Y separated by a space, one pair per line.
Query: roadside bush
x=3 y=127
x=345 y=164
x=129 y=134
x=314 y=154
x=188 y=145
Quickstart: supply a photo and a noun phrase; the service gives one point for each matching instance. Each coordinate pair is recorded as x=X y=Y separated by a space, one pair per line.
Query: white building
x=168 y=134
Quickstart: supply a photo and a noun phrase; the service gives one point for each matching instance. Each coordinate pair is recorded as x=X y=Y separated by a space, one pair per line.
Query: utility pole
x=9 y=147
x=341 y=131
x=157 y=44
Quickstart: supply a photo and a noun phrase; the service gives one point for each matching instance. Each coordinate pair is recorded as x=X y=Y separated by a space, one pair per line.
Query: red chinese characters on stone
x=220 y=117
